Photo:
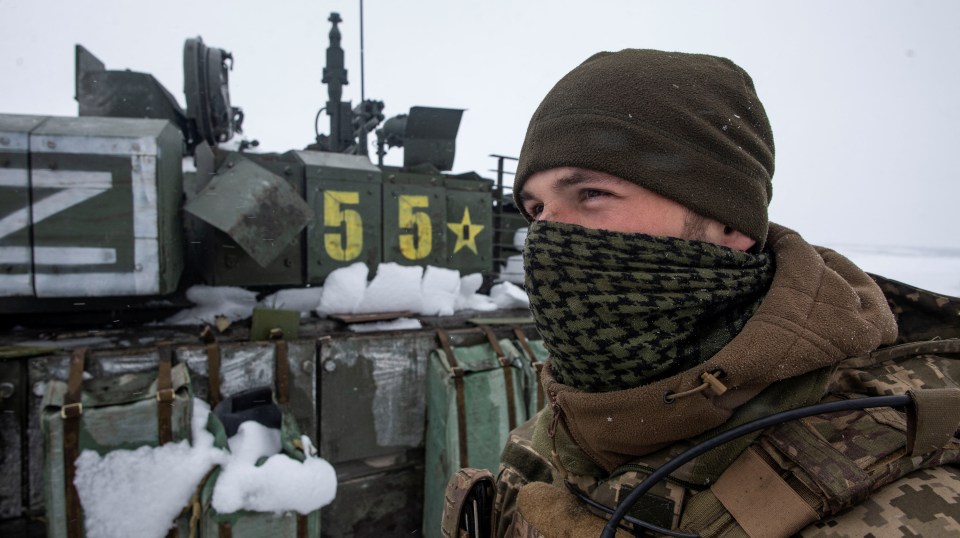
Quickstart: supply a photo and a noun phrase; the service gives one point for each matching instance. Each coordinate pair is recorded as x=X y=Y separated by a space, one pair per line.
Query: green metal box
x=105 y=213
x=414 y=218
x=468 y=228
x=248 y=365
x=372 y=395
x=14 y=399
x=118 y=412
x=385 y=502
x=344 y=193
x=487 y=417
x=253 y=215
x=372 y=409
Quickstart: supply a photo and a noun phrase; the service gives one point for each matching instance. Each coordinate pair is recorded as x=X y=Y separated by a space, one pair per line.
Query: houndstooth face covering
x=618 y=310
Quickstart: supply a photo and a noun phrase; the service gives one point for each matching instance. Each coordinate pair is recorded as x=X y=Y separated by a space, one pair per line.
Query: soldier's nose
x=557 y=214
x=549 y=213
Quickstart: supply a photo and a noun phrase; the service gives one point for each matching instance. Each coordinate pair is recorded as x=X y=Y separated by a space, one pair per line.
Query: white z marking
x=77 y=187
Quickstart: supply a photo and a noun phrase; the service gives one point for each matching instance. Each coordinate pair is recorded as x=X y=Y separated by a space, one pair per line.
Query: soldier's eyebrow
x=577 y=177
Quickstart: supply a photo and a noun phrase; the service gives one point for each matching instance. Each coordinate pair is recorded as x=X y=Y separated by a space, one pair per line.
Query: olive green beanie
x=689 y=127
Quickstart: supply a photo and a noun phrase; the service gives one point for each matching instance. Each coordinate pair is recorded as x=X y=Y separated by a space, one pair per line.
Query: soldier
x=673 y=311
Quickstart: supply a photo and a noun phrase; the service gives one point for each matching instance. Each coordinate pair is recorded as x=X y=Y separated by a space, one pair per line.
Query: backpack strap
x=468 y=504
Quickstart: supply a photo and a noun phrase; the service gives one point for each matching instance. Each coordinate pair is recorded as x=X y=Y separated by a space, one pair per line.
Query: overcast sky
x=864 y=96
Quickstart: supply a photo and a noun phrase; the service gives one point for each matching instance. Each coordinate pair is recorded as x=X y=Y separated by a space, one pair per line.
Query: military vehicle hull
x=361 y=398
x=108 y=218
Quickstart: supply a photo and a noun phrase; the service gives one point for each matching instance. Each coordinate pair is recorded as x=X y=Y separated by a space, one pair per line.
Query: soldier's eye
x=593 y=193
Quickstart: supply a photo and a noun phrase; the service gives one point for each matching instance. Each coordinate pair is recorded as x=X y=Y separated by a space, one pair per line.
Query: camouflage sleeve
x=520 y=464
x=923 y=503
x=921 y=314
x=509 y=482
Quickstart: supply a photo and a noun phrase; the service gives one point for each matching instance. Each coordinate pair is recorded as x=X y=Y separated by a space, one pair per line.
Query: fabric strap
x=70 y=413
x=507 y=375
x=282 y=374
x=461 y=397
x=752 y=491
x=165 y=396
x=933 y=420
x=72 y=410
x=225 y=530
x=213 y=373
x=537 y=365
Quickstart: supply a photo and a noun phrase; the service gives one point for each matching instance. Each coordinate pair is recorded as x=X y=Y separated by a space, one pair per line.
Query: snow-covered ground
x=933 y=269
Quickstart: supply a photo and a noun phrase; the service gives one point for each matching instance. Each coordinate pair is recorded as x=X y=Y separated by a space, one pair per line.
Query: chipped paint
x=394 y=380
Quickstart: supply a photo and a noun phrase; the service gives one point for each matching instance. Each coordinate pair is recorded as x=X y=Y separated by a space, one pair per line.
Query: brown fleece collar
x=820 y=309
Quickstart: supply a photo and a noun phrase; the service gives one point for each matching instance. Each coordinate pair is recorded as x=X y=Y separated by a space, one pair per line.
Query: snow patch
x=140 y=492
x=212 y=301
x=400 y=324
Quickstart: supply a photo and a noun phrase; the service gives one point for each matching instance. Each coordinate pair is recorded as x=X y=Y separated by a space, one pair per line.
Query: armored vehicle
x=107 y=219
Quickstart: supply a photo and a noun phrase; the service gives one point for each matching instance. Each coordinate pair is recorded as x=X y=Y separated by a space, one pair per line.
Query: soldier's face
x=597 y=200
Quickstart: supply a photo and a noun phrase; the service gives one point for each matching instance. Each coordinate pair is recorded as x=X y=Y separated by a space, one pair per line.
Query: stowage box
x=101 y=197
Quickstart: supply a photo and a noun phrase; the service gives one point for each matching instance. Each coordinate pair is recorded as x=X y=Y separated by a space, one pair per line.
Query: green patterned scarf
x=618 y=310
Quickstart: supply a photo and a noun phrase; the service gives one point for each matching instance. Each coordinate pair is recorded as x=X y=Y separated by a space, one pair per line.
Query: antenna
x=363 y=96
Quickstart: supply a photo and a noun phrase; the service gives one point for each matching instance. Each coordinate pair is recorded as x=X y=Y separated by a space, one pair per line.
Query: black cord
x=610 y=530
x=316 y=122
x=629 y=519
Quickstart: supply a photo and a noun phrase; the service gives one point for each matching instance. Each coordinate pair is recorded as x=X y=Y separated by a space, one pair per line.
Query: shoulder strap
x=468 y=504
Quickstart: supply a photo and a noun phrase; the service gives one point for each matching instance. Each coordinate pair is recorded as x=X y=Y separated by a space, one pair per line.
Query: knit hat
x=689 y=127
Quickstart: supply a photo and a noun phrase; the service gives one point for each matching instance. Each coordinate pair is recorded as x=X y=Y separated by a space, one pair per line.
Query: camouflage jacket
x=849 y=472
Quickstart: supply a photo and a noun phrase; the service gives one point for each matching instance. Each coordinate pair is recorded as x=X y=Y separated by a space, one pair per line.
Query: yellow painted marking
x=413 y=215
x=346 y=243
x=466 y=232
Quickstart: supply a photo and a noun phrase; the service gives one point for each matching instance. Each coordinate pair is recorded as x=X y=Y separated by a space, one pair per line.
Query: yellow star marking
x=466 y=232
